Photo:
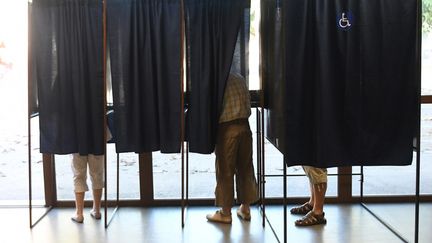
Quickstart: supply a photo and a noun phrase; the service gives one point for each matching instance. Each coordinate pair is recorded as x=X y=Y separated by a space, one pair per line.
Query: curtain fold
x=350 y=95
x=144 y=43
x=66 y=42
x=274 y=84
x=212 y=33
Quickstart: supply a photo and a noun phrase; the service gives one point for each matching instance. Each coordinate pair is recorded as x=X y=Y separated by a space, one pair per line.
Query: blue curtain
x=66 y=47
x=212 y=32
x=349 y=81
x=144 y=44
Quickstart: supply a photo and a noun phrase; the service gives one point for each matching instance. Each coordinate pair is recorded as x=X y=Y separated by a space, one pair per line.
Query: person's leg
x=96 y=166
x=79 y=207
x=97 y=196
x=319 y=191
x=312 y=194
x=307 y=206
x=79 y=169
x=318 y=178
x=247 y=188
x=224 y=192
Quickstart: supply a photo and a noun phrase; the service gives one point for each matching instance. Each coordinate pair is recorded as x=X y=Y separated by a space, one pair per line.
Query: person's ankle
x=318 y=212
x=225 y=212
x=245 y=208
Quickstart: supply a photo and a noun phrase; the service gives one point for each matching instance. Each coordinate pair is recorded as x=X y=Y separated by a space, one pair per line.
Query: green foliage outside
x=427 y=16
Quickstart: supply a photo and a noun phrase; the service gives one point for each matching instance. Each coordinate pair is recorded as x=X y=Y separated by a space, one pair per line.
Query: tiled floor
x=346 y=223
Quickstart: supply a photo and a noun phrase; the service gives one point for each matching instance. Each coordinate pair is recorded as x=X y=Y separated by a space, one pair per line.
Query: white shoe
x=95 y=215
x=219 y=217
x=244 y=216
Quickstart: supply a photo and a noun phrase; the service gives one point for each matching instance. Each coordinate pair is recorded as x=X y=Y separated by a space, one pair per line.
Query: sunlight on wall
x=13 y=77
x=254 y=75
x=13 y=106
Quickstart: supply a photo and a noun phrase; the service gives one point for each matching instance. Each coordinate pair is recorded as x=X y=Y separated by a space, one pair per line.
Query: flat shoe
x=244 y=216
x=219 y=217
x=95 y=215
x=78 y=220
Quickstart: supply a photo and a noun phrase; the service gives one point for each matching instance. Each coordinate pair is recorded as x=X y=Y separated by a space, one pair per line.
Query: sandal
x=95 y=215
x=303 y=209
x=311 y=219
x=78 y=219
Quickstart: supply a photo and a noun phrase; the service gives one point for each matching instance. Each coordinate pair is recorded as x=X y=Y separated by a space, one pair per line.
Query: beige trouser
x=79 y=169
x=234 y=157
x=315 y=175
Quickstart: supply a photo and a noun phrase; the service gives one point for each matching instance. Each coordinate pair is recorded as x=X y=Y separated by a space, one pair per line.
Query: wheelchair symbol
x=344 y=22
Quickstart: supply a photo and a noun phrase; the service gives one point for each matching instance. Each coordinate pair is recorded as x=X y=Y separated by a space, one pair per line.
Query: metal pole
x=118 y=178
x=182 y=121
x=187 y=173
x=285 y=200
x=104 y=21
x=258 y=148
x=361 y=183
x=29 y=91
x=418 y=152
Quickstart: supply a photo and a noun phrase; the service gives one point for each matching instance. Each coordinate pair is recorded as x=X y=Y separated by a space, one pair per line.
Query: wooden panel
x=146 y=178
x=344 y=184
x=50 y=184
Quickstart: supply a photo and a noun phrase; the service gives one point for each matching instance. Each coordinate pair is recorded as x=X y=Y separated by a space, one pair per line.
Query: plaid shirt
x=236 y=101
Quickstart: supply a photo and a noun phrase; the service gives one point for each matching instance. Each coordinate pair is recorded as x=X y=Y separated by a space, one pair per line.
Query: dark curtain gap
x=66 y=48
x=349 y=81
x=213 y=29
x=144 y=42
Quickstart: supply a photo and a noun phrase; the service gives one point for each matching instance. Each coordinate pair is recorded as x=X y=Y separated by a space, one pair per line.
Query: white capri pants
x=79 y=169
x=315 y=175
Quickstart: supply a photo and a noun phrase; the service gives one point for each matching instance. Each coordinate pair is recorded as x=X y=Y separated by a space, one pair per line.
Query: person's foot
x=219 y=217
x=95 y=215
x=311 y=219
x=78 y=219
x=302 y=209
x=245 y=215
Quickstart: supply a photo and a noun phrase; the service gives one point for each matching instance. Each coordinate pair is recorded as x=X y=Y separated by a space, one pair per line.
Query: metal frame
x=107 y=220
x=29 y=117
x=184 y=202
x=262 y=177
x=417 y=146
x=418 y=156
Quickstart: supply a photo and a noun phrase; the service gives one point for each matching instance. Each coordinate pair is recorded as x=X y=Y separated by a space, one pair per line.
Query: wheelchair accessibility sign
x=344 y=20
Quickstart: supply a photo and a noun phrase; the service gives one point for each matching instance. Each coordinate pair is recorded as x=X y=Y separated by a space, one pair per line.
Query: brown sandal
x=303 y=209
x=311 y=219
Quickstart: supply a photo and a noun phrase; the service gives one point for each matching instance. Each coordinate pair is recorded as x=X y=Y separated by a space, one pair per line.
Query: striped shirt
x=236 y=101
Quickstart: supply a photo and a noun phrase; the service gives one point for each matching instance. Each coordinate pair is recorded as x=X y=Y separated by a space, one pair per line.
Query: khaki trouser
x=79 y=169
x=234 y=157
x=315 y=175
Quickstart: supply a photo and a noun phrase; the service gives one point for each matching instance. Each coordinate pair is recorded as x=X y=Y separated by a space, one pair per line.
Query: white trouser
x=79 y=169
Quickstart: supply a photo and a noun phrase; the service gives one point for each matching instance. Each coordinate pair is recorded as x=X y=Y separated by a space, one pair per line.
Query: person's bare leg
x=312 y=195
x=245 y=208
x=226 y=210
x=307 y=206
x=79 y=207
x=97 y=197
x=319 y=191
